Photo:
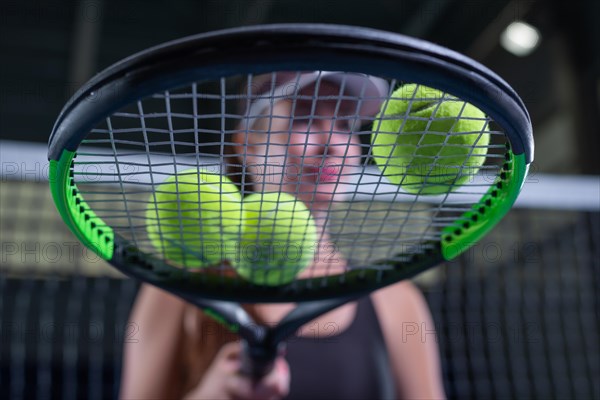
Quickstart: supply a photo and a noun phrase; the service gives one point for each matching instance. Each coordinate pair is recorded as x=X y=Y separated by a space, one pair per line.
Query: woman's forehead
x=324 y=88
x=325 y=97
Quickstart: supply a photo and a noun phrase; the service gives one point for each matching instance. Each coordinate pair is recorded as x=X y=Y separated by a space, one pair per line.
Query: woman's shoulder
x=402 y=298
x=154 y=307
x=158 y=299
x=396 y=291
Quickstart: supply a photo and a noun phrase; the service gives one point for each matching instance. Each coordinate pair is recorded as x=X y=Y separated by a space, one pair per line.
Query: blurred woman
x=295 y=136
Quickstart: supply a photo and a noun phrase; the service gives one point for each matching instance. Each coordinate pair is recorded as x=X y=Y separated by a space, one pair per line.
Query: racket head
x=191 y=70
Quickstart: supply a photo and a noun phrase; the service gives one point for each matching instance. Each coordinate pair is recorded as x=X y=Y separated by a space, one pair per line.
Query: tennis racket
x=211 y=102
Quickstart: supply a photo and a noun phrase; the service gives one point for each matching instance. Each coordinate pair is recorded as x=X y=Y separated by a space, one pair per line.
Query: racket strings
x=216 y=127
x=351 y=124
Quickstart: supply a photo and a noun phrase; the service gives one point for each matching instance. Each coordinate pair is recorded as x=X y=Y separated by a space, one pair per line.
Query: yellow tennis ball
x=278 y=239
x=427 y=141
x=194 y=218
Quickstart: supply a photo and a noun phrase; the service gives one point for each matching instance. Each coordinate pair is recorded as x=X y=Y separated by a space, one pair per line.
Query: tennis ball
x=427 y=147
x=277 y=240
x=194 y=218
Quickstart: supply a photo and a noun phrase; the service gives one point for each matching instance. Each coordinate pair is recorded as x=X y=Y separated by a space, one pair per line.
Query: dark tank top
x=352 y=364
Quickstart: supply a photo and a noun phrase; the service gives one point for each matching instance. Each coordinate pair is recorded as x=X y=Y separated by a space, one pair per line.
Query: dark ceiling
x=49 y=48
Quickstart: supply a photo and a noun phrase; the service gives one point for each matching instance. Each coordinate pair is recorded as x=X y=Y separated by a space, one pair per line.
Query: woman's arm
x=151 y=368
x=154 y=367
x=411 y=340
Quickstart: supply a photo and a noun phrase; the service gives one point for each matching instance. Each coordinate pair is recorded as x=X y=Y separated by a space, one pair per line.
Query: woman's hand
x=223 y=380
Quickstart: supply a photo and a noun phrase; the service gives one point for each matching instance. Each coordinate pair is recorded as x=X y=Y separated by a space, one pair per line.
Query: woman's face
x=305 y=148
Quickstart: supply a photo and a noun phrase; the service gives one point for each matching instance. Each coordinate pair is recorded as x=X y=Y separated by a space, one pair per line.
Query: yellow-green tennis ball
x=278 y=239
x=427 y=141
x=194 y=218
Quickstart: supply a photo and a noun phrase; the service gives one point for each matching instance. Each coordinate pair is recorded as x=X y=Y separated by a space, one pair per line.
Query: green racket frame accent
x=472 y=226
x=79 y=217
x=220 y=319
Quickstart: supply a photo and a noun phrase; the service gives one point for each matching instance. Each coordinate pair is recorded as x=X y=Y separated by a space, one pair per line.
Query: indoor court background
x=516 y=317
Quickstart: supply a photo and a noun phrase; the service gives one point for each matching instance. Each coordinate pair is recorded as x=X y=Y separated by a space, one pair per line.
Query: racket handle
x=258 y=360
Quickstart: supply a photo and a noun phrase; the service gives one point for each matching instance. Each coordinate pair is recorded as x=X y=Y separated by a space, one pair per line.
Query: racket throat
x=262 y=344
